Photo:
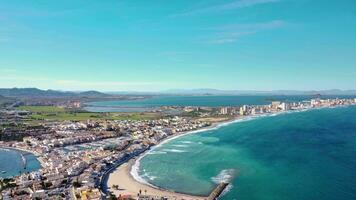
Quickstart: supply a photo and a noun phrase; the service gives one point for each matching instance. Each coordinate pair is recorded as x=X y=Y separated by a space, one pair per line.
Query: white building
x=284 y=106
x=223 y=111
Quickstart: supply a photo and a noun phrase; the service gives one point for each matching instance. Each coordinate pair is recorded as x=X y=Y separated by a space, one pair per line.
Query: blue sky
x=152 y=45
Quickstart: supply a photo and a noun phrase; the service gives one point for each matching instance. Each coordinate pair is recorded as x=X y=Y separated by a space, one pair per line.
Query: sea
x=309 y=155
x=11 y=163
x=154 y=102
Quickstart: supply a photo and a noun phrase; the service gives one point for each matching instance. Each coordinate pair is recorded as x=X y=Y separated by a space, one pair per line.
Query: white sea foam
x=179 y=145
x=135 y=173
x=156 y=152
x=226 y=190
x=174 y=150
x=224 y=176
x=150 y=177
x=135 y=168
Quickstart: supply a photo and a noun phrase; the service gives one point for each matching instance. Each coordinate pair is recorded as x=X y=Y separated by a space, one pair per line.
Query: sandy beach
x=129 y=186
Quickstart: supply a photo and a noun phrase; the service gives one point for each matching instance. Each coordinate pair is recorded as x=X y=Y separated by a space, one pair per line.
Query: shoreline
x=24 y=158
x=127 y=173
x=37 y=156
x=124 y=172
x=129 y=169
x=129 y=186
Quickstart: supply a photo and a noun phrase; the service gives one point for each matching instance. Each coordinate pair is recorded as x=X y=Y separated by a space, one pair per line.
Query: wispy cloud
x=237 y=4
x=231 y=33
x=94 y=84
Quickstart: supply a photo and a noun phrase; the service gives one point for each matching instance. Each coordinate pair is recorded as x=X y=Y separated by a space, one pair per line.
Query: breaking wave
x=174 y=150
x=156 y=152
x=179 y=145
x=224 y=176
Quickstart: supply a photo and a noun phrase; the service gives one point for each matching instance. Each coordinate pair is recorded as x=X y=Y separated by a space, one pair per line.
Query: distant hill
x=93 y=93
x=256 y=92
x=35 y=92
x=5 y=101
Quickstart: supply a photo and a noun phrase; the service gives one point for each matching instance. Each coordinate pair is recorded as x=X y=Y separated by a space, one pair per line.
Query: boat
x=3 y=172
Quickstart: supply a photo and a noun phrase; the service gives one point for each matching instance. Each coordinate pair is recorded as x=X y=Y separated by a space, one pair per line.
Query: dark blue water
x=308 y=155
x=212 y=101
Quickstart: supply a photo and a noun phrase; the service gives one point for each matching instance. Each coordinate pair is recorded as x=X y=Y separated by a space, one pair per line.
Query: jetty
x=24 y=161
x=217 y=191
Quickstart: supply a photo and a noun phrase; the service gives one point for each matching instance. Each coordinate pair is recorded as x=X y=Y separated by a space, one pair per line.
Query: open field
x=54 y=113
x=46 y=109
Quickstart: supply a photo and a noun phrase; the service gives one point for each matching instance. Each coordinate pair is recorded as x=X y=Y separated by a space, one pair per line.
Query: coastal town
x=78 y=156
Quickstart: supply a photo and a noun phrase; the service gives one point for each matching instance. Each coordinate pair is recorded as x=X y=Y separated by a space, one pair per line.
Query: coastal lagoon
x=303 y=155
x=12 y=164
x=153 y=102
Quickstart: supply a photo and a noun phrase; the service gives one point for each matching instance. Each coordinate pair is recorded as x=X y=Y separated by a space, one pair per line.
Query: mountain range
x=35 y=93
x=208 y=91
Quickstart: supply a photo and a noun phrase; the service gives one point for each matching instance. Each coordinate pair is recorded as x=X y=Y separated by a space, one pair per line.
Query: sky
x=155 y=45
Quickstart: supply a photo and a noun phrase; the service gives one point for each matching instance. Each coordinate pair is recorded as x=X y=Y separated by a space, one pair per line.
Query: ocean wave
x=135 y=169
x=226 y=190
x=179 y=145
x=174 y=150
x=136 y=166
x=224 y=176
x=150 y=177
x=156 y=152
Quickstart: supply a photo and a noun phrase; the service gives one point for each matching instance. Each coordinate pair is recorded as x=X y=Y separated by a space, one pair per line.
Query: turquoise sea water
x=158 y=101
x=11 y=162
x=307 y=155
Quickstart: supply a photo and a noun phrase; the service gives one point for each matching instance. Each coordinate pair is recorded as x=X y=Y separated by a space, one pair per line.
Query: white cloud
x=237 y=4
x=101 y=84
x=231 y=33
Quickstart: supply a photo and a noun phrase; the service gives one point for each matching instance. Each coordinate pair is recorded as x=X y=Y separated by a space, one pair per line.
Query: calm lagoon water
x=307 y=155
x=158 y=101
x=11 y=162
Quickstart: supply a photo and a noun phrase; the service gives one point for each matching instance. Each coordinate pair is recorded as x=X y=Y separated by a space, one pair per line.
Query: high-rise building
x=253 y=111
x=223 y=111
x=242 y=112
x=284 y=106
x=314 y=102
x=275 y=104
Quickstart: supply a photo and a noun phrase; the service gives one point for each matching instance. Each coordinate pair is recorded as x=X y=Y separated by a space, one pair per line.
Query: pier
x=217 y=191
x=24 y=160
